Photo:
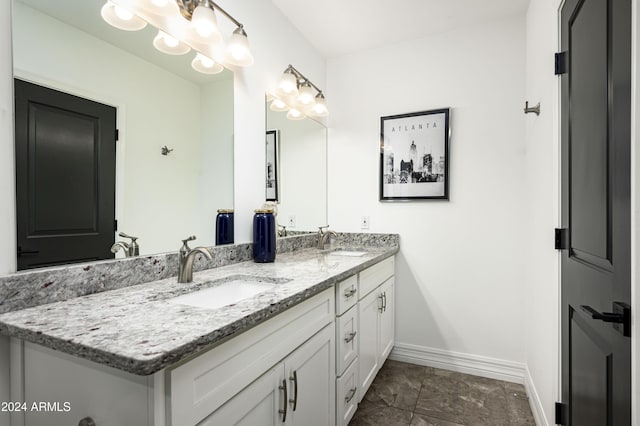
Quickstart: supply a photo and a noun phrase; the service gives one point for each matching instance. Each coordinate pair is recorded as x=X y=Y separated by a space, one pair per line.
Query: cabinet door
x=310 y=371
x=368 y=317
x=259 y=404
x=387 y=323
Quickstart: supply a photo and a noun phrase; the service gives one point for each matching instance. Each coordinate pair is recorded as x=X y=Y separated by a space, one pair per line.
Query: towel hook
x=534 y=109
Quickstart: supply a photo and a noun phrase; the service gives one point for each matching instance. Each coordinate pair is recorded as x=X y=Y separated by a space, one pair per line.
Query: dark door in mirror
x=65 y=177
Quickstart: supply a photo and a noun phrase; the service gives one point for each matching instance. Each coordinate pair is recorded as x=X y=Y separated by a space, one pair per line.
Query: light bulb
x=121 y=18
x=239 y=48
x=278 y=105
x=320 y=107
x=169 y=44
x=205 y=65
x=288 y=83
x=205 y=22
x=306 y=94
x=294 y=114
x=160 y=3
x=123 y=14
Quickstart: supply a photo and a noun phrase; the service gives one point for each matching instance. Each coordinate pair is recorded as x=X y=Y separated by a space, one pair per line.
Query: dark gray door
x=596 y=268
x=65 y=177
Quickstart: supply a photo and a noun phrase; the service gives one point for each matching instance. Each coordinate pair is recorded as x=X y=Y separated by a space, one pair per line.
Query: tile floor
x=408 y=394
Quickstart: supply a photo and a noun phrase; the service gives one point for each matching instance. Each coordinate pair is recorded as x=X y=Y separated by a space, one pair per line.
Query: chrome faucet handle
x=184 y=250
x=133 y=239
x=320 y=229
x=133 y=248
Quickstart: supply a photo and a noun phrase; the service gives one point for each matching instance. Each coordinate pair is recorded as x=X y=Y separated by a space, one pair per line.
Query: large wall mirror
x=161 y=102
x=300 y=171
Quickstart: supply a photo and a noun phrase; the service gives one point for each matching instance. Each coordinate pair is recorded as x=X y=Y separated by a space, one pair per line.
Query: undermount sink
x=351 y=253
x=224 y=294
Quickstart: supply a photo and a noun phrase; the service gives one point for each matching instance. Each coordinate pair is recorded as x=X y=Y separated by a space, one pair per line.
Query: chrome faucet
x=130 y=249
x=324 y=236
x=187 y=256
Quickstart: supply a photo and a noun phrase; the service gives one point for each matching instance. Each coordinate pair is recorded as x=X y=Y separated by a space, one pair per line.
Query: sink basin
x=224 y=294
x=351 y=253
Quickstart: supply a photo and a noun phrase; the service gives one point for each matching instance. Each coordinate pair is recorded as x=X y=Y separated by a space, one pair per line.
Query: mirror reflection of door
x=596 y=209
x=65 y=177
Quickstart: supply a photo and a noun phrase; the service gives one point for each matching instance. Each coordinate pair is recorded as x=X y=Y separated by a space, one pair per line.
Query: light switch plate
x=291 y=223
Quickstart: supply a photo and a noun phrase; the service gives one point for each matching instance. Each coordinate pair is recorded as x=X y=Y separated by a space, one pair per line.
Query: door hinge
x=561 y=63
x=117 y=135
x=561 y=410
x=115 y=225
x=561 y=240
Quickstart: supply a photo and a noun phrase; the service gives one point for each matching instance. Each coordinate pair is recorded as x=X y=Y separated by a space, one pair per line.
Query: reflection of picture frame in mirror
x=414 y=156
x=271 y=165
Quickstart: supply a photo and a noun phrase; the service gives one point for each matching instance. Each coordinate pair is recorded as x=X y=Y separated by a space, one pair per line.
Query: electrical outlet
x=291 y=223
x=364 y=222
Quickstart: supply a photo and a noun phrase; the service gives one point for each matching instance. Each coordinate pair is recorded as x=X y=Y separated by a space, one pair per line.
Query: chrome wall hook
x=165 y=150
x=534 y=109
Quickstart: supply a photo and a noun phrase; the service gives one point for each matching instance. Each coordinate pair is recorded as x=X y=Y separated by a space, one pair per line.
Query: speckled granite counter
x=139 y=330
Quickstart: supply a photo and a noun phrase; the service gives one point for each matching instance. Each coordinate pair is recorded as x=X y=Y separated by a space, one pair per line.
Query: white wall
x=542 y=215
x=460 y=281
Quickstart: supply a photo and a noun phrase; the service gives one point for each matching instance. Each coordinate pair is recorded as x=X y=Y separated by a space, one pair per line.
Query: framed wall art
x=414 y=156
x=271 y=165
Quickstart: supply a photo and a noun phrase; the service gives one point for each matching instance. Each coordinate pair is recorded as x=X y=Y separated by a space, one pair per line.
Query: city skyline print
x=414 y=156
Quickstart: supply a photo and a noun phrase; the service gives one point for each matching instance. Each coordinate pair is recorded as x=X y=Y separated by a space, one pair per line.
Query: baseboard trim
x=534 y=400
x=492 y=368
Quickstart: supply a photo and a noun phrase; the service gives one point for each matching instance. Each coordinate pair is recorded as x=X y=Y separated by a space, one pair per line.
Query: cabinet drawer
x=203 y=384
x=347 y=394
x=346 y=339
x=346 y=294
x=372 y=277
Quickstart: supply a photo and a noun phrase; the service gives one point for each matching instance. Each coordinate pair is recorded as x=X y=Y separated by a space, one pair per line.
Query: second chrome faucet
x=187 y=256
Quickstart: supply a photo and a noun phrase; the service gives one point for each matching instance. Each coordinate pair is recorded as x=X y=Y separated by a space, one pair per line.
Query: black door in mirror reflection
x=65 y=177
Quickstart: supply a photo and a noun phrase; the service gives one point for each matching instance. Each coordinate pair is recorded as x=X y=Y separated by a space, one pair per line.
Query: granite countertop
x=139 y=330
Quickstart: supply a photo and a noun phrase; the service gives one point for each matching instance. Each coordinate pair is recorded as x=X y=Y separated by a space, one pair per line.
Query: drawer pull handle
x=384 y=301
x=294 y=379
x=381 y=306
x=284 y=411
x=87 y=421
x=350 y=292
x=350 y=337
x=350 y=395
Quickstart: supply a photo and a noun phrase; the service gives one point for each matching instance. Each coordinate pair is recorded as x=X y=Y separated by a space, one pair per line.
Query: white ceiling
x=338 y=27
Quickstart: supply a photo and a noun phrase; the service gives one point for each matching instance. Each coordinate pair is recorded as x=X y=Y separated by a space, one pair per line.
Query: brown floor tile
x=518 y=406
x=464 y=399
x=369 y=414
x=397 y=385
x=422 y=420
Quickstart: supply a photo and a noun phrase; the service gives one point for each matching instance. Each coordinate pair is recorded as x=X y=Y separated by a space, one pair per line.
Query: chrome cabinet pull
x=350 y=337
x=284 y=411
x=294 y=379
x=381 y=307
x=87 y=421
x=350 y=395
x=350 y=292
x=384 y=301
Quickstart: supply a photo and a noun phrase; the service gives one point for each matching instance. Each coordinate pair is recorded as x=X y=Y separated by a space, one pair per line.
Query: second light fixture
x=295 y=95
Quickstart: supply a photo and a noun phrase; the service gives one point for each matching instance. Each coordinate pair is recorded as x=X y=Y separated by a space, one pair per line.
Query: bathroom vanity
x=301 y=348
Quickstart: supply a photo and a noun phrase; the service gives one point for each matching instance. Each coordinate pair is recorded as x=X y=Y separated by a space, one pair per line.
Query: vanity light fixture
x=295 y=95
x=184 y=25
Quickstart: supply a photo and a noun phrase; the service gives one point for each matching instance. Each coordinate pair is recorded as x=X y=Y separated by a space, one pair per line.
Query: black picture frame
x=414 y=156
x=271 y=165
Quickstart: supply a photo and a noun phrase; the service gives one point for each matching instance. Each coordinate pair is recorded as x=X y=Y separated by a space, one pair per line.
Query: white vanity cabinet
x=297 y=391
x=376 y=321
